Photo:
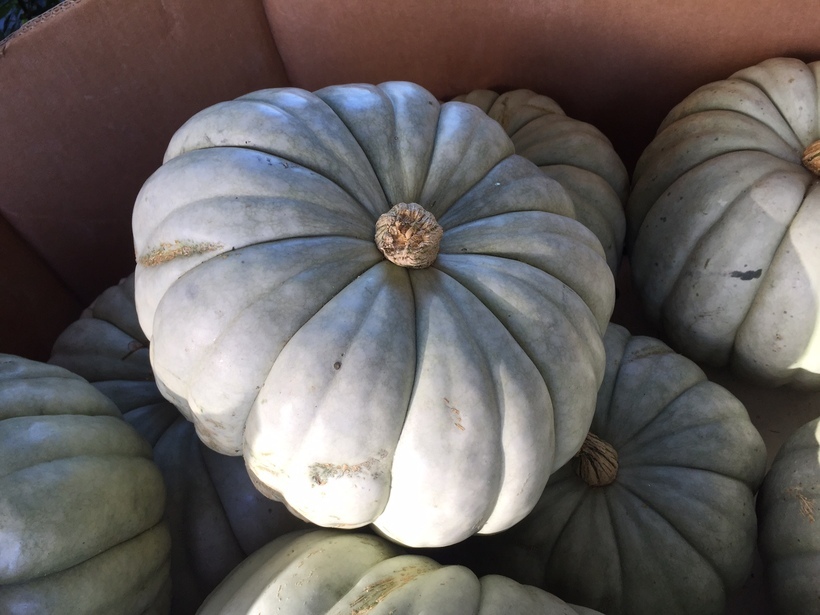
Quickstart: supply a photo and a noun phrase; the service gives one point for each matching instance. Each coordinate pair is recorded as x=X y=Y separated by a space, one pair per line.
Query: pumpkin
x=575 y=154
x=656 y=513
x=722 y=223
x=81 y=502
x=368 y=295
x=788 y=506
x=215 y=514
x=334 y=572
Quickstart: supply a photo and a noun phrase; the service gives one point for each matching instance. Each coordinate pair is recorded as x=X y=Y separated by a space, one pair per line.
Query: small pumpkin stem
x=409 y=236
x=598 y=459
x=811 y=158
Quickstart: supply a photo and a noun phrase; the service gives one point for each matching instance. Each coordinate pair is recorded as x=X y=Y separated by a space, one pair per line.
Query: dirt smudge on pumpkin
x=321 y=473
x=747 y=275
x=169 y=251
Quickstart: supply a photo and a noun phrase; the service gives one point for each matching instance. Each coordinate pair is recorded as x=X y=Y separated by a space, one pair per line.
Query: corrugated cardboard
x=93 y=90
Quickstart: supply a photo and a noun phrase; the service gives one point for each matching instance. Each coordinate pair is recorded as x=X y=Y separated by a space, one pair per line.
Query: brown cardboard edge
x=35 y=306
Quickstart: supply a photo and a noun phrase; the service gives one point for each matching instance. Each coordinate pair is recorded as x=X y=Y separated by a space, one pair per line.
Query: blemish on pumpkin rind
x=806 y=505
x=321 y=473
x=375 y=593
x=169 y=251
x=456 y=414
x=747 y=275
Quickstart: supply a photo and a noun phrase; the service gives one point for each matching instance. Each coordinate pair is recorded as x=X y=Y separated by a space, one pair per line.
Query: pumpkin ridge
x=619 y=546
x=766 y=273
x=603 y=431
x=366 y=154
x=688 y=264
x=766 y=94
x=251 y=98
x=674 y=529
x=495 y=314
x=204 y=358
x=468 y=136
x=365 y=465
x=500 y=459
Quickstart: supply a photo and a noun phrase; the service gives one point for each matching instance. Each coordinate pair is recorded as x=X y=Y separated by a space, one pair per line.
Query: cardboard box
x=93 y=90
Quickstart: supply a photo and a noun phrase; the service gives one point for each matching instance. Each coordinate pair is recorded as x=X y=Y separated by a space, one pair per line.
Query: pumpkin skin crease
x=675 y=532
x=343 y=573
x=722 y=221
x=297 y=345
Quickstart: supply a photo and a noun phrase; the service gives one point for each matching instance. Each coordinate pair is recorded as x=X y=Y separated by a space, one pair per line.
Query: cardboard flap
x=92 y=92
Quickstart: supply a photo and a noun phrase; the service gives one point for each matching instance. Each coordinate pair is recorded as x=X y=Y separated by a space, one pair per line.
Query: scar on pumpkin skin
x=375 y=593
x=169 y=251
x=806 y=505
x=320 y=473
x=456 y=414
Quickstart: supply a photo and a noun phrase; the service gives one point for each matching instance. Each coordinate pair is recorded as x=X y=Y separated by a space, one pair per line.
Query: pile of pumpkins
x=367 y=351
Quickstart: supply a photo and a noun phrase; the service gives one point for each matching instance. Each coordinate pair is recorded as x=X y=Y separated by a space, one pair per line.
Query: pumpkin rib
x=768 y=273
x=694 y=253
x=302 y=162
x=551 y=380
x=619 y=543
x=747 y=75
x=756 y=167
x=369 y=157
x=658 y=416
x=674 y=531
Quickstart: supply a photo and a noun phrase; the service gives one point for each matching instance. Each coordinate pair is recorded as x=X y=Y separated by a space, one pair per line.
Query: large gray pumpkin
x=393 y=317
x=788 y=507
x=81 y=502
x=216 y=516
x=723 y=222
x=329 y=572
x=657 y=513
x=575 y=154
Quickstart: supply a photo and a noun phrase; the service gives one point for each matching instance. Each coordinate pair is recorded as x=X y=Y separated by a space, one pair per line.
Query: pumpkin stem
x=598 y=459
x=811 y=158
x=409 y=236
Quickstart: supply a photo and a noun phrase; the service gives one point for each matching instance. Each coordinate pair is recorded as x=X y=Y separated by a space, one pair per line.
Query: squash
x=575 y=154
x=368 y=295
x=215 y=514
x=81 y=502
x=333 y=572
x=722 y=224
x=788 y=507
x=656 y=513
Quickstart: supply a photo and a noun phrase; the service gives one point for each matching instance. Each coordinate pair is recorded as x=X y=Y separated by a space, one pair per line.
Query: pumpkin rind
x=286 y=337
x=675 y=530
x=216 y=516
x=575 y=154
x=722 y=223
x=81 y=501
x=788 y=507
x=335 y=573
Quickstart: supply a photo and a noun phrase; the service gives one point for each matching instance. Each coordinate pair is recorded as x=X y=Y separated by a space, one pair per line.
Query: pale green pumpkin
x=656 y=514
x=81 y=502
x=215 y=514
x=788 y=507
x=433 y=400
x=329 y=572
x=575 y=154
x=723 y=221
